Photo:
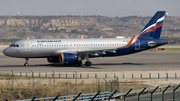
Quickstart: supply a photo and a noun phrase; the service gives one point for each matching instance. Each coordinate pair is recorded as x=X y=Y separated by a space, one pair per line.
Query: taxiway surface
x=143 y=61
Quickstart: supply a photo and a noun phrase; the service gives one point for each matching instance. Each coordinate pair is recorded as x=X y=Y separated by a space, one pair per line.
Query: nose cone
x=7 y=52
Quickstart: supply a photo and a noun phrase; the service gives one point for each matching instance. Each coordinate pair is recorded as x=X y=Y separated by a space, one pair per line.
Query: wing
x=85 y=52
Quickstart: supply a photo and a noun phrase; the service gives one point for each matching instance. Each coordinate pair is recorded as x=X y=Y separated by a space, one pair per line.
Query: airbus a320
x=73 y=51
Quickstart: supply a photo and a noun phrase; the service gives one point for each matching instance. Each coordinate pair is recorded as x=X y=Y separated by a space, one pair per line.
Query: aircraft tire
x=25 y=64
x=79 y=63
x=88 y=63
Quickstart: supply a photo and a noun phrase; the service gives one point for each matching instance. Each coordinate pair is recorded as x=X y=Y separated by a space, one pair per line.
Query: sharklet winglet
x=83 y=36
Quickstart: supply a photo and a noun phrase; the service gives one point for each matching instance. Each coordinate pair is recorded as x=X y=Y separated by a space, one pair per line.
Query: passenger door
x=27 y=46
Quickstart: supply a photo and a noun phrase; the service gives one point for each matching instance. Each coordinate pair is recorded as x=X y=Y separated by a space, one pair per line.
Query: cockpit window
x=11 y=45
x=14 y=45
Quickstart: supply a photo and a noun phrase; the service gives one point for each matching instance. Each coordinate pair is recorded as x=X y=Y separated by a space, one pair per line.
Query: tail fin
x=153 y=28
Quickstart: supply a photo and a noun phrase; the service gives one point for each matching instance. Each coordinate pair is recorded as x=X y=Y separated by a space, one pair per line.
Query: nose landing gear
x=26 y=62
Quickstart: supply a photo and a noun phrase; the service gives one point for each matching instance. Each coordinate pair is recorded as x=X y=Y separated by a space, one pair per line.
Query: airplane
x=73 y=51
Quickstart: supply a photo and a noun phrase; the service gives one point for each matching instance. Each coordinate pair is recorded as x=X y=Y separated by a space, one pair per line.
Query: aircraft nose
x=6 y=52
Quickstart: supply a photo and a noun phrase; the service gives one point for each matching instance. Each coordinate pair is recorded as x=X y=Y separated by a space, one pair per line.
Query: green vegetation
x=172 y=40
x=47 y=17
x=174 y=30
x=166 y=49
x=76 y=31
x=128 y=18
x=172 y=49
x=10 y=76
x=6 y=75
x=25 y=89
x=6 y=41
x=60 y=30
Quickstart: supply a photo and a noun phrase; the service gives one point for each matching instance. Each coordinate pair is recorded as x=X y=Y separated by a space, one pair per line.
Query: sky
x=110 y=8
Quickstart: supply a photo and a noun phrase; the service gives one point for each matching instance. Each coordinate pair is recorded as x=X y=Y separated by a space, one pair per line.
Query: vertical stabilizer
x=154 y=27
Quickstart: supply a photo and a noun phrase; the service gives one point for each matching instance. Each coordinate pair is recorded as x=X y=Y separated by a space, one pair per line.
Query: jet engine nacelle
x=53 y=59
x=65 y=58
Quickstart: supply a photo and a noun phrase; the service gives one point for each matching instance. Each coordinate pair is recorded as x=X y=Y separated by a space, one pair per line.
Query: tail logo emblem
x=137 y=45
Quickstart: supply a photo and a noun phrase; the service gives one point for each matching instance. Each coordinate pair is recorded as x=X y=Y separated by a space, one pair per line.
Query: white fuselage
x=51 y=47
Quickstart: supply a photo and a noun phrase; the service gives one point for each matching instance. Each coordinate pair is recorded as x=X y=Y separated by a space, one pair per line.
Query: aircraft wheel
x=25 y=64
x=79 y=63
x=88 y=63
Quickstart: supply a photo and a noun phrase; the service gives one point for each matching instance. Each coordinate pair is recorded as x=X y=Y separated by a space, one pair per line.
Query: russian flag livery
x=153 y=28
x=74 y=51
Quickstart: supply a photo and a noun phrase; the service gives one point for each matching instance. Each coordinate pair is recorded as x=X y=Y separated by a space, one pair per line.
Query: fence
x=108 y=95
x=80 y=97
x=103 y=81
x=75 y=75
x=151 y=90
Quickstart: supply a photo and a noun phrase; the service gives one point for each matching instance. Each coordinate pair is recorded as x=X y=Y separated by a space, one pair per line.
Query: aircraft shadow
x=11 y=66
x=48 y=66
x=119 y=64
x=76 y=66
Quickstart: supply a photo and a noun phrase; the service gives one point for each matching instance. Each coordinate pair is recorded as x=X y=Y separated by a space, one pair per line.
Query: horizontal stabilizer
x=152 y=43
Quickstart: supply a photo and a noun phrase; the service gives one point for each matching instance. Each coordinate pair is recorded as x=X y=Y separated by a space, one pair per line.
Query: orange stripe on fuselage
x=130 y=42
x=63 y=60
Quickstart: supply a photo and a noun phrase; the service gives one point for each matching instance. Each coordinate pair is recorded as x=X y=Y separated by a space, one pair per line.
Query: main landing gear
x=87 y=63
x=79 y=63
x=26 y=62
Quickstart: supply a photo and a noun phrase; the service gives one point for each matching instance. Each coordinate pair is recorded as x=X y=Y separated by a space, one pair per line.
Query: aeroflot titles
x=49 y=41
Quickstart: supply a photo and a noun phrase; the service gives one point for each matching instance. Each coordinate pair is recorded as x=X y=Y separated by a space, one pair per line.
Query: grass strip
x=40 y=89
